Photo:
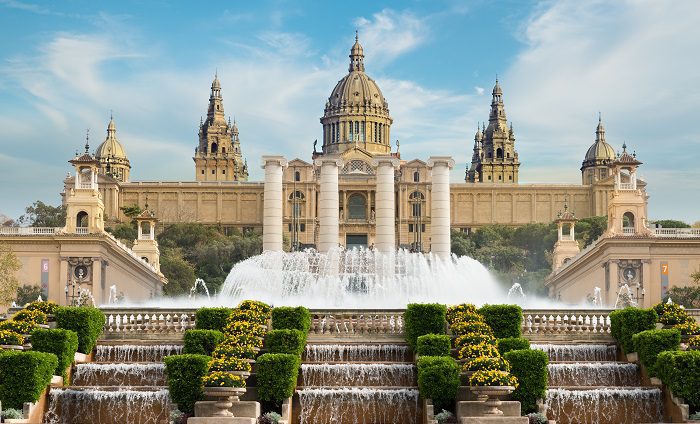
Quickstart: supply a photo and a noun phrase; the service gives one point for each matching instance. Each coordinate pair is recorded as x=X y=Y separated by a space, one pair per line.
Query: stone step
x=140 y=352
x=119 y=374
x=604 y=405
x=357 y=352
x=358 y=375
x=594 y=374
x=578 y=352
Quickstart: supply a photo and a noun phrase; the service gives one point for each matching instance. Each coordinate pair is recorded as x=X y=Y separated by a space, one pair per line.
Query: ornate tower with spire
x=218 y=156
x=356 y=114
x=83 y=201
x=499 y=159
x=472 y=173
x=112 y=156
x=600 y=155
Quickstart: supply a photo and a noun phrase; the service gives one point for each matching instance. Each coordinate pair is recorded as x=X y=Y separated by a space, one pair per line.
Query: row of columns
x=328 y=214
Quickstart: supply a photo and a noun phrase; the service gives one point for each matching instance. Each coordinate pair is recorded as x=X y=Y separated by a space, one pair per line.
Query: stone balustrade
x=152 y=323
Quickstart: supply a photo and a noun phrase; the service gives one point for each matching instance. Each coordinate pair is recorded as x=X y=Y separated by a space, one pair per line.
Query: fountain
x=352 y=405
x=358 y=278
x=578 y=352
x=516 y=292
x=199 y=283
x=594 y=374
x=619 y=405
x=625 y=297
x=119 y=374
x=597 y=297
x=135 y=353
x=112 y=294
x=325 y=375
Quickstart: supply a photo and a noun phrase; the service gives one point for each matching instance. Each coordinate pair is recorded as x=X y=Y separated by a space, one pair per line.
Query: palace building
x=356 y=131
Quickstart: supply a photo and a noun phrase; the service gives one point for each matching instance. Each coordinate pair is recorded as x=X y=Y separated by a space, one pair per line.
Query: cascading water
x=593 y=374
x=358 y=406
x=356 y=353
x=608 y=405
x=578 y=352
x=119 y=374
x=358 y=279
x=516 y=292
x=135 y=353
x=325 y=375
x=68 y=406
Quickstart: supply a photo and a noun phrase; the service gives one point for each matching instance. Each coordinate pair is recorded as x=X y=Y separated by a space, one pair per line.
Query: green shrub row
x=438 y=379
x=24 y=375
x=433 y=345
x=201 y=342
x=277 y=376
x=512 y=343
x=424 y=318
x=62 y=343
x=86 y=322
x=650 y=343
x=625 y=323
x=680 y=371
x=285 y=341
x=530 y=368
x=211 y=318
x=505 y=320
x=185 y=374
x=291 y=318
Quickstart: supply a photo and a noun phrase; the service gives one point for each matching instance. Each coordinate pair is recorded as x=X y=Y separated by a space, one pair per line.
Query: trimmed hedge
x=648 y=344
x=530 y=368
x=625 y=323
x=505 y=320
x=438 y=379
x=277 y=376
x=512 y=343
x=433 y=345
x=24 y=375
x=201 y=342
x=185 y=374
x=680 y=371
x=62 y=343
x=86 y=322
x=211 y=318
x=285 y=341
x=424 y=318
x=291 y=318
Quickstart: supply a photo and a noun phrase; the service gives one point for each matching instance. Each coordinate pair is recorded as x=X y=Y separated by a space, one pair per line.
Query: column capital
x=435 y=160
x=377 y=160
x=330 y=159
x=274 y=159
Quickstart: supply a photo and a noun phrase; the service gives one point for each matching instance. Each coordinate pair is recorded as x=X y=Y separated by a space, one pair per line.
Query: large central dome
x=356 y=113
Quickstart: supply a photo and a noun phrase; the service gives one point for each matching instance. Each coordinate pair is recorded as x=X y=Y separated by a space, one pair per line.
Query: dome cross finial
x=87 y=140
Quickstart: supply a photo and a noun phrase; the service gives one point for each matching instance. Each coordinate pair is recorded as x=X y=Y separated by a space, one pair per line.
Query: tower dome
x=112 y=156
x=598 y=156
x=356 y=113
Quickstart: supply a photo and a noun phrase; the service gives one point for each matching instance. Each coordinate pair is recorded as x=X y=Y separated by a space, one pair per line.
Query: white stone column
x=440 y=205
x=273 y=202
x=328 y=212
x=385 y=210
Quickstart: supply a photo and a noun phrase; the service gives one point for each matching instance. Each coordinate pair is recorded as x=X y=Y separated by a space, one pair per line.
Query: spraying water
x=359 y=279
x=199 y=283
x=625 y=297
x=112 y=294
x=516 y=292
x=597 y=297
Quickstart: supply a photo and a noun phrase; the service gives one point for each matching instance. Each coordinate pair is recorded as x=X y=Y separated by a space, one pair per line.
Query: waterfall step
x=604 y=405
x=135 y=352
x=593 y=374
x=358 y=374
x=563 y=352
x=357 y=352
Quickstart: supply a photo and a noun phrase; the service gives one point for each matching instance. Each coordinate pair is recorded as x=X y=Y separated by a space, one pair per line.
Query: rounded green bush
x=62 y=343
x=277 y=376
x=512 y=343
x=291 y=318
x=625 y=323
x=438 y=379
x=185 y=374
x=680 y=372
x=530 y=368
x=650 y=343
x=424 y=318
x=285 y=341
x=86 y=322
x=211 y=318
x=505 y=320
x=201 y=342
x=24 y=375
x=433 y=345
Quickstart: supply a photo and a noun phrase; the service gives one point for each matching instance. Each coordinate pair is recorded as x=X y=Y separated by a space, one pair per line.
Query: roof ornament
x=398 y=145
x=87 y=140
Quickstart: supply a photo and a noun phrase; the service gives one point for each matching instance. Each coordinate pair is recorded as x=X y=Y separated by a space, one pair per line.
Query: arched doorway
x=81 y=220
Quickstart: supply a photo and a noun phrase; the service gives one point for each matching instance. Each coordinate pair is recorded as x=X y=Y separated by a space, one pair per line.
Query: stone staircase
x=357 y=382
x=589 y=385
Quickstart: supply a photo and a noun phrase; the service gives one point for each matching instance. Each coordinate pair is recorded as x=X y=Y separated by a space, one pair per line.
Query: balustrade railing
x=349 y=323
x=29 y=231
x=135 y=323
x=566 y=322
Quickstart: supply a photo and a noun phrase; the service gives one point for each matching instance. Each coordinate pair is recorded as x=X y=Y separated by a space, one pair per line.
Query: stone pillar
x=273 y=202
x=384 y=209
x=440 y=205
x=328 y=213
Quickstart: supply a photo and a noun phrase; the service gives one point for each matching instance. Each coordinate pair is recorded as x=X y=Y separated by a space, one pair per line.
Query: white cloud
x=389 y=34
x=478 y=90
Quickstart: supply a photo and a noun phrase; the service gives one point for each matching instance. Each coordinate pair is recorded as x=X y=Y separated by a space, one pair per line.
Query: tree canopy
x=9 y=283
x=39 y=214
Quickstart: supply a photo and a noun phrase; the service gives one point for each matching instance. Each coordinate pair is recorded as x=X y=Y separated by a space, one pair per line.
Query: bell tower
x=566 y=246
x=218 y=156
x=627 y=207
x=84 y=206
x=145 y=245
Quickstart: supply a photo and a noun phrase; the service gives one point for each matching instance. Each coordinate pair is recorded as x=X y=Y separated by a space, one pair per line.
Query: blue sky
x=65 y=65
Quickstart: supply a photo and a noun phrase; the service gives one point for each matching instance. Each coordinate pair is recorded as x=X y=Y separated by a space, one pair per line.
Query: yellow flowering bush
x=234 y=328
x=229 y=364
x=223 y=379
x=251 y=316
x=671 y=313
x=487 y=363
x=228 y=350
x=48 y=307
x=688 y=328
x=455 y=312
x=19 y=327
x=8 y=337
x=476 y=350
x=493 y=378
x=694 y=342
x=255 y=305
x=473 y=338
x=462 y=327
x=33 y=316
x=244 y=340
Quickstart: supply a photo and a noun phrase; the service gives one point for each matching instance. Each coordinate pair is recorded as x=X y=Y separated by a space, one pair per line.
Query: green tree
x=131 y=211
x=27 y=293
x=462 y=244
x=179 y=272
x=9 y=283
x=590 y=229
x=688 y=296
x=671 y=223
x=39 y=214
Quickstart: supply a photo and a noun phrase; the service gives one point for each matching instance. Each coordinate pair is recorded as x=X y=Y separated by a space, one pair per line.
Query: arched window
x=416 y=200
x=81 y=220
x=297 y=176
x=416 y=177
x=214 y=147
x=499 y=153
x=628 y=220
x=357 y=206
x=297 y=198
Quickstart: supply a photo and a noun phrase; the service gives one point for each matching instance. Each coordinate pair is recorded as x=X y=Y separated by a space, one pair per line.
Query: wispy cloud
x=389 y=34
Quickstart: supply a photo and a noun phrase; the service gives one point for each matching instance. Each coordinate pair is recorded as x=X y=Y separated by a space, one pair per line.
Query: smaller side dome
x=111 y=147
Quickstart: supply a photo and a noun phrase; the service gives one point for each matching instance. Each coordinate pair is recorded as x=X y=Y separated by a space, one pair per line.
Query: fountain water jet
x=516 y=290
x=359 y=278
x=199 y=283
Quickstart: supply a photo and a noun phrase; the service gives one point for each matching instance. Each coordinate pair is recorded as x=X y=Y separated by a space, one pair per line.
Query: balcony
x=627 y=186
x=676 y=232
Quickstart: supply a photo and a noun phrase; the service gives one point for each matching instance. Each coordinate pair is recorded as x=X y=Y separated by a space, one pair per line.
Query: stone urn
x=492 y=397
x=225 y=396
x=244 y=374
